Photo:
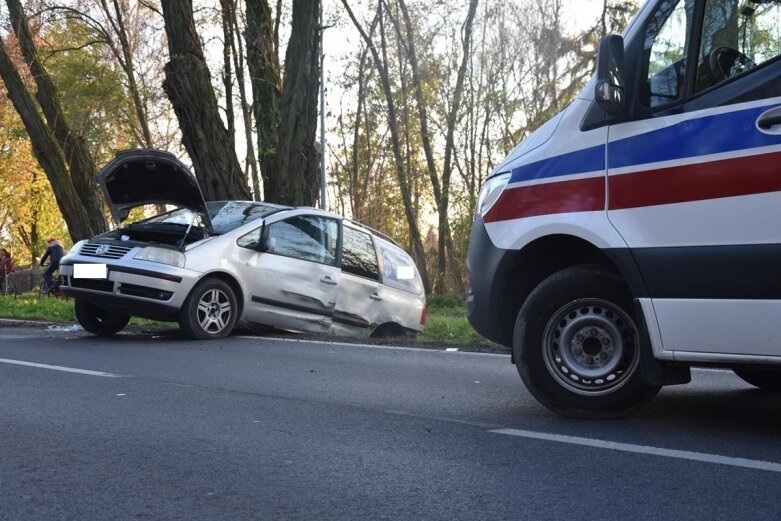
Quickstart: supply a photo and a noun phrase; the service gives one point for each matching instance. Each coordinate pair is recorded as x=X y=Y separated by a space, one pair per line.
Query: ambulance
x=638 y=233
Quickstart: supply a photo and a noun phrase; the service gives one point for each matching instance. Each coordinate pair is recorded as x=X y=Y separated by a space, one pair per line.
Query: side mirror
x=609 y=91
x=267 y=244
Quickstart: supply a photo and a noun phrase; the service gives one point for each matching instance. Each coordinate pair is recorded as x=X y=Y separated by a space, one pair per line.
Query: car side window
x=736 y=37
x=305 y=237
x=666 y=41
x=358 y=255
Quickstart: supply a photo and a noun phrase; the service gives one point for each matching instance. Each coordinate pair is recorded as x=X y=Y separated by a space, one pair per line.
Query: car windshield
x=225 y=215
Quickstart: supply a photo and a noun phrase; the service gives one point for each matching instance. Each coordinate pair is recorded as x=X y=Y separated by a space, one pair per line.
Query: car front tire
x=577 y=345
x=210 y=311
x=97 y=320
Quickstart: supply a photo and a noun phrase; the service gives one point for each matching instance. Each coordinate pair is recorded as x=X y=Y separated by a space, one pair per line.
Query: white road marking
x=59 y=368
x=645 y=449
x=374 y=346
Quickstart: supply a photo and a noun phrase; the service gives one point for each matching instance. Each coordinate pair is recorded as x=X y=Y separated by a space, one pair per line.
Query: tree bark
x=188 y=86
x=81 y=165
x=266 y=83
x=296 y=181
x=48 y=152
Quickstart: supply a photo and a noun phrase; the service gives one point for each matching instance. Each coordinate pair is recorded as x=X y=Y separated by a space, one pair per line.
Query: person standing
x=6 y=267
x=55 y=252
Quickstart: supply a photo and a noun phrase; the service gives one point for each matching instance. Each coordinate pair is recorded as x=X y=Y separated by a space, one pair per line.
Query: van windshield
x=225 y=215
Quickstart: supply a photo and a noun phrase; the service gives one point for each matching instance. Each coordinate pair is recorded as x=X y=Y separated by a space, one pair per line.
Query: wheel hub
x=591 y=346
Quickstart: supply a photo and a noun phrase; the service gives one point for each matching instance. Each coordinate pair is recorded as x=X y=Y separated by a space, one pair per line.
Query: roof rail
x=373 y=231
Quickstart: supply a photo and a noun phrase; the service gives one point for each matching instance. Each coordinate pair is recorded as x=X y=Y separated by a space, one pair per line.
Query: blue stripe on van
x=715 y=134
x=581 y=161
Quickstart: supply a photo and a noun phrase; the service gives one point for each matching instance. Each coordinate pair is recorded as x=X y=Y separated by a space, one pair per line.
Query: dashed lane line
x=645 y=449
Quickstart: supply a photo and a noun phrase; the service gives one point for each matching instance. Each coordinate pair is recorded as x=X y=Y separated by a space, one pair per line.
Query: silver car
x=211 y=266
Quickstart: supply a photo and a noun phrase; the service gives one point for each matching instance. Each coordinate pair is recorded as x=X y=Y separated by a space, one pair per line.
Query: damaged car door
x=296 y=272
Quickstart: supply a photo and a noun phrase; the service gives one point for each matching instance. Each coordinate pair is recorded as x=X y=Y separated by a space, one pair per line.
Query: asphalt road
x=156 y=427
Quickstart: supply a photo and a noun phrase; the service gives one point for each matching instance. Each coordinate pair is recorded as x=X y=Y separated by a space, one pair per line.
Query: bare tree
x=381 y=65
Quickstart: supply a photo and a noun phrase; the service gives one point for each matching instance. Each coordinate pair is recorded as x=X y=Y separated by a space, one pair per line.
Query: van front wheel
x=577 y=345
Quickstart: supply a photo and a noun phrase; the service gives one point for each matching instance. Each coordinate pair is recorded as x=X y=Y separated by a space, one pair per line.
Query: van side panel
x=697 y=198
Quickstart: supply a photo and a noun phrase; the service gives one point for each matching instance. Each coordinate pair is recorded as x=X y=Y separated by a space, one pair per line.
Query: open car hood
x=146 y=176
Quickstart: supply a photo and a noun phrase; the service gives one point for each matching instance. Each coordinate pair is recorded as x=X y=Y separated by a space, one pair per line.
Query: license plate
x=90 y=271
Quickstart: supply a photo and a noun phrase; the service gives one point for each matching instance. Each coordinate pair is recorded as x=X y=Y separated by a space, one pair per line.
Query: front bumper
x=139 y=288
x=485 y=264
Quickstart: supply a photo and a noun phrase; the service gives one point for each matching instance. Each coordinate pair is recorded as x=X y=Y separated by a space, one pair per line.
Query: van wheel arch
x=524 y=270
x=388 y=330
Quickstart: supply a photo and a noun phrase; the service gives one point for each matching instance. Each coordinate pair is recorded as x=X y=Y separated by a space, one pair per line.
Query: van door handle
x=375 y=296
x=768 y=119
x=328 y=280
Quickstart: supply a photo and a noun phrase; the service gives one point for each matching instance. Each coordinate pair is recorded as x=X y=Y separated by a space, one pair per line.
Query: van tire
x=210 y=310
x=577 y=347
x=765 y=379
x=97 y=320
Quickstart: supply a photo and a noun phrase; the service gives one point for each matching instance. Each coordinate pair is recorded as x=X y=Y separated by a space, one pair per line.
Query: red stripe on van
x=580 y=195
x=713 y=180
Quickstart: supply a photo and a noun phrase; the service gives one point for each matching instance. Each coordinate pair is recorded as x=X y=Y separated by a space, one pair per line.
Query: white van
x=638 y=232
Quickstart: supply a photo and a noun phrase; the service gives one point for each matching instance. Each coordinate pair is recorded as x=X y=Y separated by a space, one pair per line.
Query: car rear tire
x=97 y=320
x=765 y=379
x=577 y=346
x=210 y=311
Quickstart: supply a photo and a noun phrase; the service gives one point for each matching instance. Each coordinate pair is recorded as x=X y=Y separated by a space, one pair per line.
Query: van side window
x=736 y=37
x=305 y=237
x=250 y=240
x=358 y=255
x=398 y=269
x=666 y=41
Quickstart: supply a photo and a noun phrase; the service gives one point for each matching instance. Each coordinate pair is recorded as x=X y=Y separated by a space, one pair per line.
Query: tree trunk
x=48 y=152
x=266 y=85
x=295 y=180
x=78 y=157
x=188 y=86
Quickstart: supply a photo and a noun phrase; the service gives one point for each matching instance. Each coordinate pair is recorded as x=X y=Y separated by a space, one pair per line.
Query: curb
x=12 y=322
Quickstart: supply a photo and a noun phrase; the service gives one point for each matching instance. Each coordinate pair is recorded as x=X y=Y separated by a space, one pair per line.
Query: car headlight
x=490 y=192
x=161 y=255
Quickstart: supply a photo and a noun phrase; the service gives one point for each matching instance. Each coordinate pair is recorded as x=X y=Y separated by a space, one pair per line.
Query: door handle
x=769 y=119
x=328 y=280
x=375 y=296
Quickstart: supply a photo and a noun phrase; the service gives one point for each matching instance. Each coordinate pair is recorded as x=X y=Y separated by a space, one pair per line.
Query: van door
x=694 y=180
x=296 y=275
x=359 y=303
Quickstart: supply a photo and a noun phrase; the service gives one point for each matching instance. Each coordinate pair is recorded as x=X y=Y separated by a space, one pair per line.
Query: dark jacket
x=56 y=253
